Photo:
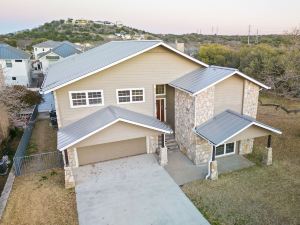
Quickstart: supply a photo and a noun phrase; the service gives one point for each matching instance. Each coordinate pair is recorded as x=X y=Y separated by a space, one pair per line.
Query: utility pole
x=249 y=31
x=212 y=30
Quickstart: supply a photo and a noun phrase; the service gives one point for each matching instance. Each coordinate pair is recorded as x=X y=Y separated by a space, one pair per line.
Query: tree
x=17 y=99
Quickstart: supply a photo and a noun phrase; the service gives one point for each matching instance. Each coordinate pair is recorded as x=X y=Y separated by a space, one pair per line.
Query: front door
x=160 y=109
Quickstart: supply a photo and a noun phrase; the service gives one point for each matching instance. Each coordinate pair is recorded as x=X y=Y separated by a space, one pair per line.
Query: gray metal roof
x=83 y=128
x=198 y=80
x=64 y=49
x=47 y=44
x=92 y=60
x=226 y=125
x=9 y=52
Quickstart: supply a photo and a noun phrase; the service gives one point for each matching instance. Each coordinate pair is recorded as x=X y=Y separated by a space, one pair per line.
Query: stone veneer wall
x=204 y=110
x=189 y=112
x=250 y=105
x=184 y=123
x=152 y=143
x=69 y=176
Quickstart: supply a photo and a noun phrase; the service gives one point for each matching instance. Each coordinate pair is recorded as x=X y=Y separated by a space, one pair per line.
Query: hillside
x=85 y=31
x=76 y=31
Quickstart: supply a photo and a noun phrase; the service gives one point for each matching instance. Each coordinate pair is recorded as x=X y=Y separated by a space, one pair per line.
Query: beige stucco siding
x=117 y=132
x=158 y=66
x=108 y=151
x=229 y=95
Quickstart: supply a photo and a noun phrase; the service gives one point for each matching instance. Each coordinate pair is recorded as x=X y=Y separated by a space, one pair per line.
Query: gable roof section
x=98 y=59
x=86 y=127
x=226 y=125
x=201 y=79
x=47 y=44
x=9 y=52
x=64 y=49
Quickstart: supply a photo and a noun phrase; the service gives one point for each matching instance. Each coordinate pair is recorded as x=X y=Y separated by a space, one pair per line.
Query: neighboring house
x=44 y=47
x=61 y=51
x=115 y=100
x=15 y=65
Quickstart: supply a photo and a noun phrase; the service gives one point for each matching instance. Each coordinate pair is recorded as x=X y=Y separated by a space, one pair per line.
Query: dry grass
x=41 y=199
x=258 y=195
x=43 y=138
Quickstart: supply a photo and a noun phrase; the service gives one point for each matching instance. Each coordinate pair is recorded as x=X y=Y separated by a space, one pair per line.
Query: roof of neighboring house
x=9 y=52
x=64 y=49
x=47 y=44
x=201 y=79
x=226 y=125
x=97 y=121
x=98 y=59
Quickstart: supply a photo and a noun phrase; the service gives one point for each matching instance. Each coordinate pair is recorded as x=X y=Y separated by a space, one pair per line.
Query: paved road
x=132 y=191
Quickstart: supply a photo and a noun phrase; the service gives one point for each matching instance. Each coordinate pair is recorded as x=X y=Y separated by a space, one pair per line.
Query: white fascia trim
x=235 y=72
x=185 y=55
x=124 y=59
x=174 y=86
x=88 y=135
x=146 y=126
x=109 y=124
x=222 y=142
x=267 y=128
x=253 y=123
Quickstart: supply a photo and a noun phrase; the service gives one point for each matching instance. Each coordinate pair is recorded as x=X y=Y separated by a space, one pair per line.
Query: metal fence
x=38 y=162
x=33 y=163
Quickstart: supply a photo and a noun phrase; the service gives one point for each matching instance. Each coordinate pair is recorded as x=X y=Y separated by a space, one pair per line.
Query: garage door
x=113 y=150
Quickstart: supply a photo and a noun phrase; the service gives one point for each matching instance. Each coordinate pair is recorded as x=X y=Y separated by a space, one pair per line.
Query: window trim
x=130 y=96
x=227 y=154
x=164 y=90
x=87 y=99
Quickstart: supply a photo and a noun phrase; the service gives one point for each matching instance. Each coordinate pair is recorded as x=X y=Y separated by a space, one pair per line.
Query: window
x=8 y=63
x=225 y=149
x=86 y=98
x=14 y=78
x=18 y=60
x=132 y=95
x=52 y=57
x=160 y=89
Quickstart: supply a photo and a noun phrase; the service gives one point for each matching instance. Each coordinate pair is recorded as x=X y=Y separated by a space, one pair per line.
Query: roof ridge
x=224 y=67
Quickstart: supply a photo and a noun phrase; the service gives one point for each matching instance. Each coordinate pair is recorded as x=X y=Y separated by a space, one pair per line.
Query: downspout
x=209 y=162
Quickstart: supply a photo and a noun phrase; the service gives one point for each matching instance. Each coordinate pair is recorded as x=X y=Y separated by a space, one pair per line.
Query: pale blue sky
x=159 y=16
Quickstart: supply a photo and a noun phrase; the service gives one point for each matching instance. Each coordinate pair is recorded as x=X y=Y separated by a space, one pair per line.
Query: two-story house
x=50 y=52
x=15 y=65
x=115 y=101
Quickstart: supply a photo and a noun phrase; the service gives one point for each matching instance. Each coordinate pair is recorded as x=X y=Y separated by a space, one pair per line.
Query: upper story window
x=8 y=63
x=160 y=89
x=18 y=60
x=86 y=98
x=130 y=95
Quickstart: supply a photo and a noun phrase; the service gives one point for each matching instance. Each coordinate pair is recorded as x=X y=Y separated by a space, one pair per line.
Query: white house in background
x=44 y=47
x=62 y=50
x=15 y=64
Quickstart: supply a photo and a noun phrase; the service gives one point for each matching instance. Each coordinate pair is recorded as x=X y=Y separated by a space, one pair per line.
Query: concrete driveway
x=132 y=191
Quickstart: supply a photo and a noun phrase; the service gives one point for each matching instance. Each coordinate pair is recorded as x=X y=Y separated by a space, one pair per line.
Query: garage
x=112 y=150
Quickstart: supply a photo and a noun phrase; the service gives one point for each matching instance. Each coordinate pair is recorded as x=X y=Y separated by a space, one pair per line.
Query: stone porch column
x=213 y=166
x=163 y=152
x=72 y=163
x=267 y=158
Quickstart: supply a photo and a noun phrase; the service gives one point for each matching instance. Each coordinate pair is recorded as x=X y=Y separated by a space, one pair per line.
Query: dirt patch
x=259 y=195
x=41 y=199
x=43 y=138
